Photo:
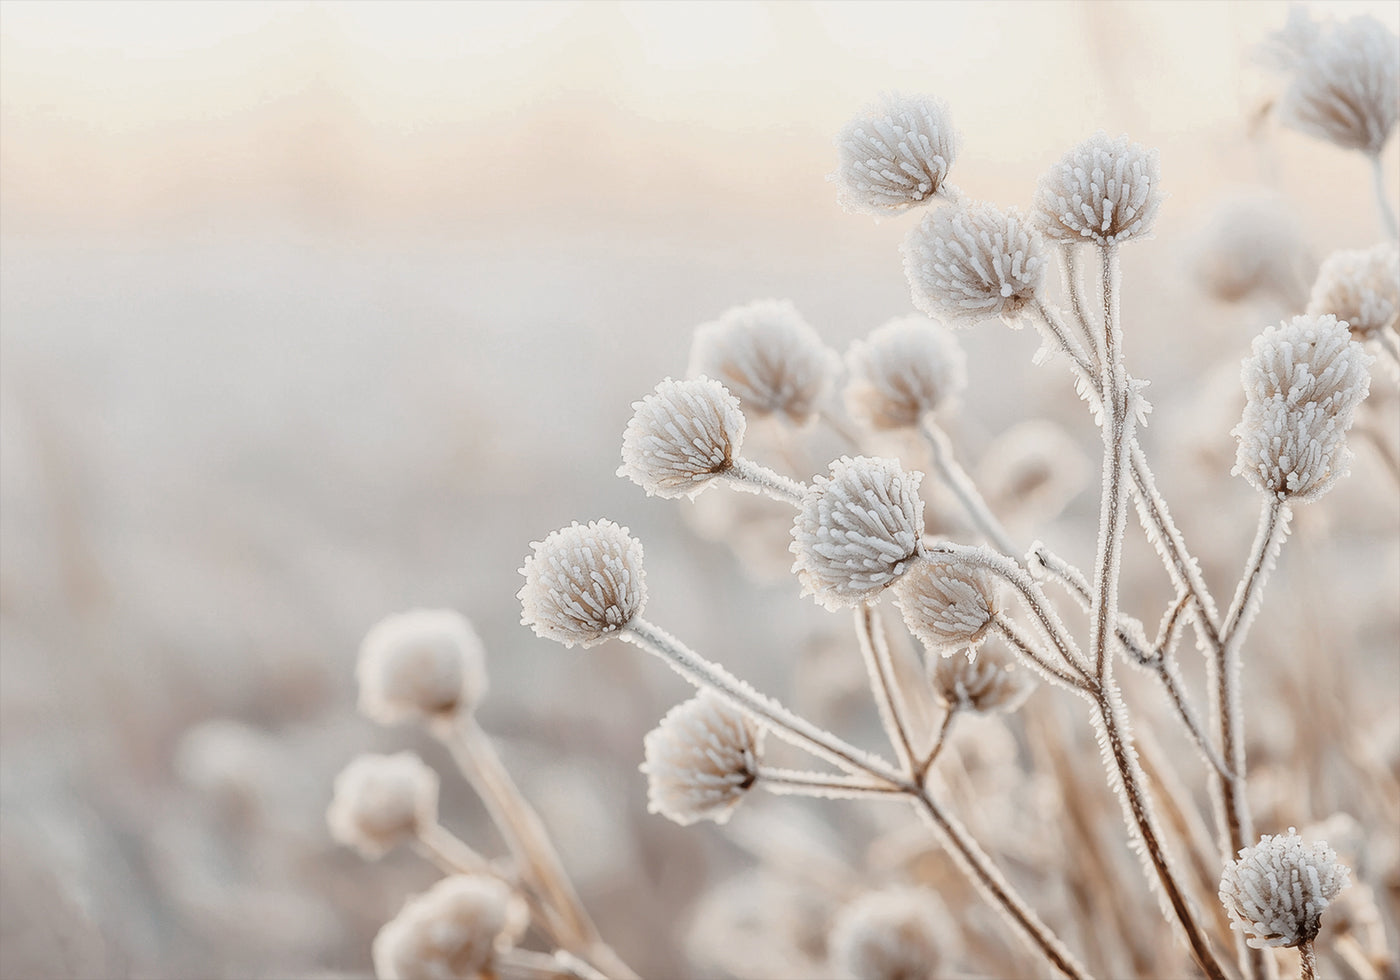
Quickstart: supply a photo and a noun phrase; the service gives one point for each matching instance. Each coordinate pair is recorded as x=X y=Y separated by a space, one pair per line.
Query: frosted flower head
x=583 y=583
x=1104 y=191
x=1252 y=245
x=682 y=436
x=1342 y=79
x=701 y=760
x=894 y=156
x=974 y=262
x=858 y=530
x=985 y=683
x=1276 y=892
x=909 y=367
x=947 y=605
x=381 y=801
x=1302 y=383
x=1362 y=287
x=453 y=930
x=895 y=934
x=425 y=663
x=768 y=356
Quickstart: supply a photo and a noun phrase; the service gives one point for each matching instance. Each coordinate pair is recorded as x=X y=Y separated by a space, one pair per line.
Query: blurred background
x=313 y=312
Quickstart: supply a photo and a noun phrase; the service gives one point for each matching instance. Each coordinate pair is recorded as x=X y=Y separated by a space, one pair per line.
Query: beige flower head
x=894 y=156
x=1278 y=889
x=985 y=683
x=906 y=369
x=701 y=760
x=381 y=801
x=947 y=605
x=583 y=583
x=894 y=934
x=453 y=931
x=682 y=436
x=1104 y=191
x=1362 y=287
x=973 y=262
x=421 y=664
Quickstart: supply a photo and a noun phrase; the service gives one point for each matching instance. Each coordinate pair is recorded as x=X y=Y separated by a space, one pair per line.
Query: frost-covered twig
x=965 y=489
x=792 y=782
x=883 y=684
x=1387 y=214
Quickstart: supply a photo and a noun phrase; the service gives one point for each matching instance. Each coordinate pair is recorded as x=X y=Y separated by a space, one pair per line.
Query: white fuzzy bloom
x=1362 y=287
x=895 y=934
x=894 y=156
x=1104 y=191
x=1302 y=383
x=424 y=663
x=768 y=356
x=453 y=931
x=381 y=801
x=909 y=367
x=1276 y=892
x=1252 y=245
x=682 y=435
x=701 y=760
x=1343 y=79
x=985 y=683
x=947 y=605
x=858 y=530
x=583 y=583
x=974 y=262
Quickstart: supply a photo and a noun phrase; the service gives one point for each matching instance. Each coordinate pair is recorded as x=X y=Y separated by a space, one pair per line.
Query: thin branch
x=792 y=782
x=876 y=654
x=1383 y=202
x=747 y=475
x=1308 y=957
x=1007 y=630
x=957 y=480
x=940 y=740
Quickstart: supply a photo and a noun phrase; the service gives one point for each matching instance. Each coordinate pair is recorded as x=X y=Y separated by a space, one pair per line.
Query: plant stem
x=966 y=490
x=1382 y=202
x=747 y=475
x=1007 y=630
x=940 y=740
x=1074 y=286
x=1389 y=342
x=876 y=654
x=792 y=782
x=1308 y=956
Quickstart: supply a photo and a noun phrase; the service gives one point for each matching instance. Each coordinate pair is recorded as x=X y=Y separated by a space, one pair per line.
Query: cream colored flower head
x=1252 y=245
x=682 y=436
x=421 y=664
x=1362 y=287
x=1278 y=889
x=894 y=156
x=973 y=262
x=947 y=605
x=381 y=801
x=701 y=760
x=1105 y=191
x=583 y=583
x=894 y=934
x=768 y=356
x=858 y=530
x=903 y=371
x=985 y=683
x=452 y=931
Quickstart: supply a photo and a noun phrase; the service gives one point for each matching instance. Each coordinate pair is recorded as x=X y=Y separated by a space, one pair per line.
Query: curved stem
x=792 y=782
x=1074 y=287
x=876 y=654
x=1383 y=202
x=965 y=490
x=1008 y=631
x=747 y=475
x=940 y=740
x=1389 y=342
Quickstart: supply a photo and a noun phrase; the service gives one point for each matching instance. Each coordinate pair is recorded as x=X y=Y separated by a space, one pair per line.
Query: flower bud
x=454 y=929
x=583 y=583
x=894 y=155
x=1276 y=892
x=947 y=605
x=420 y=664
x=1362 y=287
x=701 y=760
x=381 y=801
x=985 y=683
x=1104 y=191
x=909 y=367
x=683 y=435
x=974 y=262
x=895 y=934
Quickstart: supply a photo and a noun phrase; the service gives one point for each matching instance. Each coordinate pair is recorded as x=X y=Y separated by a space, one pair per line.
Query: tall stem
x=965 y=490
x=1309 y=960
x=1383 y=202
x=876 y=654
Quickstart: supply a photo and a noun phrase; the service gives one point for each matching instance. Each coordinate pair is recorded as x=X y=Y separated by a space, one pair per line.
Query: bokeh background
x=312 y=312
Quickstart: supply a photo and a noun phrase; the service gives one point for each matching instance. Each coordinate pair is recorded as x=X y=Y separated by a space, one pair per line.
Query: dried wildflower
x=424 y=663
x=683 y=435
x=1302 y=383
x=1278 y=889
x=768 y=356
x=895 y=934
x=1032 y=471
x=974 y=262
x=1103 y=191
x=1342 y=79
x=381 y=801
x=894 y=156
x=947 y=605
x=1252 y=246
x=1362 y=287
x=909 y=367
x=858 y=530
x=701 y=760
x=583 y=583
x=985 y=683
x=453 y=931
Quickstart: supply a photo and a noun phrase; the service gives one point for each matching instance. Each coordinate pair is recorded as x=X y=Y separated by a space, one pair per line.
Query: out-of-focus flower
x=701 y=760
x=1362 y=287
x=985 y=683
x=947 y=605
x=894 y=156
x=1278 y=889
x=909 y=367
x=974 y=262
x=1104 y=191
x=1252 y=246
x=682 y=436
x=895 y=934
x=424 y=663
x=453 y=931
x=381 y=801
x=1032 y=471
x=583 y=583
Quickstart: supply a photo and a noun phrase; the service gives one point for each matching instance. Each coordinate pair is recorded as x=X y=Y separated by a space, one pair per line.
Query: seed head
x=701 y=760
x=1252 y=245
x=894 y=155
x=896 y=934
x=858 y=530
x=425 y=663
x=682 y=435
x=985 y=683
x=1362 y=287
x=583 y=583
x=947 y=605
x=909 y=367
x=1104 y=191
x=453 y=930
x=381 y=801
x=1276 y=892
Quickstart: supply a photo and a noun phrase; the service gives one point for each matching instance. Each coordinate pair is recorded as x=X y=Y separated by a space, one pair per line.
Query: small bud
x=1276 y=892
x=454 y=929
x=583 y=583
x=985 y=684
x=947 y=605
x=381 y=801
x=1362 y=287
x=895 y=934
x=909 y=367
x=683 y=435
x=701 y=760
x=421 y=664
x=1104 y=191
x=894 y=155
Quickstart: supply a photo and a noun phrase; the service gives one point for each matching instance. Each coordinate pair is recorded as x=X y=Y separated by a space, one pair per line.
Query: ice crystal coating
x=382 y=800
x=1302 y=383
x=768 y=356
x=1278 y=889
x=947 y=605
x=424 y=663
x=909 y=367
x=858 y=530
x=895 y=934
x=894 y=156
x=1362 y=287
x=985 y=683
x=1103 y=191
x=701 y=760
x=452 y=931
x=583 y=583
x=1342 y=79
x=683 y=435
x=974 y=262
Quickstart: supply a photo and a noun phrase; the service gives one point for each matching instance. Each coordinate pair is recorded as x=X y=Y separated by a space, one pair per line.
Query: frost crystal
x=1278 y=889
x=858 y=530
x=420 y=664
x=701 y=760
x=947 y=605
x=974 y=262
x=682 y=436
x=451 y=931
x=1362 y=287
x=1302 y=384
x=583 y=583
x=894 y=156
x=909 y=367
x=381 y=801
x=768 y=356
x=985 y=683
x=896 y=934
x=1103 y=191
